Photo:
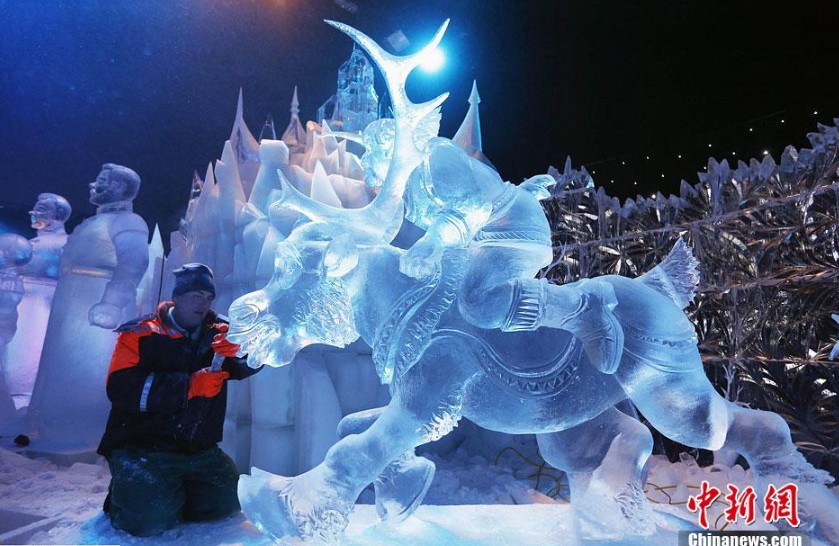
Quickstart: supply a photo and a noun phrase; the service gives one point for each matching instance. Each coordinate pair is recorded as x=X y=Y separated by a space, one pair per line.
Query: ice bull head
x=307 y=300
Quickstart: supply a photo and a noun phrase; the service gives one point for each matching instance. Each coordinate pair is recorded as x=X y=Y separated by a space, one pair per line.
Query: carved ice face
x=106 y=188
x=42 y=214
x=50 y=212
x=300 y=306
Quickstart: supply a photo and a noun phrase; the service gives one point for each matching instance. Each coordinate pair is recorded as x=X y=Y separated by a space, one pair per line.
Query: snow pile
x=462 y=478
x=40 y=487
x=669 y=486
x=72 y=497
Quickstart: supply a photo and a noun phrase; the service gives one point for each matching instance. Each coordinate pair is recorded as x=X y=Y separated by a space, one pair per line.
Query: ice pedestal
x=69 y=406
x=487 y=525
x=24 y=351
x=7 y=407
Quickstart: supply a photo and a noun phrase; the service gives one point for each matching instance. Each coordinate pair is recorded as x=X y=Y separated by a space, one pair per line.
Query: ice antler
x=396 y=70
x=380 y=220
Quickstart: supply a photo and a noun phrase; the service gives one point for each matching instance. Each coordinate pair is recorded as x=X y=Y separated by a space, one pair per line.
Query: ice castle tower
x=295 y=134
x=356 y=103
x=468 y=135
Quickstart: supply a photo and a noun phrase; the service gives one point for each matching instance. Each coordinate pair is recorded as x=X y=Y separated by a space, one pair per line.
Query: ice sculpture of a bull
x=337 y=278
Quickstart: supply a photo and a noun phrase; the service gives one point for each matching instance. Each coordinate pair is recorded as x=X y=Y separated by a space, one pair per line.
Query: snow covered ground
x=472 y=502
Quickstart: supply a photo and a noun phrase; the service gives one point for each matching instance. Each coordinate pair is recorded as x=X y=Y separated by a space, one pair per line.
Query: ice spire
x=148 y=291
x=468 y=136
x=295 y=135
x=241 y=138
x=356 y=101
x=245 y=148
x=268 y=131
x=194 y=194
x=322 y=189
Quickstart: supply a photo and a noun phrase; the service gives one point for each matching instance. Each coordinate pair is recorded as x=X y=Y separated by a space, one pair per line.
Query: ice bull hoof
x=401 y=488
x=290 y=511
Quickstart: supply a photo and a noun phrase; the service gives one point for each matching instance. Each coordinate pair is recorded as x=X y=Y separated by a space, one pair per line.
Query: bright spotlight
x=434 y=60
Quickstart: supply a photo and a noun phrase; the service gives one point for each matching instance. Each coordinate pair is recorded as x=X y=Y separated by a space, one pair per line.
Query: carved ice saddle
x=532 y=364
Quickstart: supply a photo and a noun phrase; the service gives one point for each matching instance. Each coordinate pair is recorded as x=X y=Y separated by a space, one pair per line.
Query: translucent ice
x=459 y=326
x=39 y=277
x=101 y=266
x=15 y=252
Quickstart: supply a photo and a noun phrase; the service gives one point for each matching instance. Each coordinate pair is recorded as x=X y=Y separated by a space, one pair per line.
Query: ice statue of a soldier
x=15 y=251
x=104 y=260
x=39 y=277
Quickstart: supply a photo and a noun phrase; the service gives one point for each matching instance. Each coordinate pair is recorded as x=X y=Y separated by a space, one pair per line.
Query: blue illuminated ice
x=101 y=267
x=15 y=252
x=39 y=277
x=460 y=327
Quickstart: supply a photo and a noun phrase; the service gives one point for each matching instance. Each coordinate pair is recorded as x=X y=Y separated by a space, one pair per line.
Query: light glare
x=434 y=60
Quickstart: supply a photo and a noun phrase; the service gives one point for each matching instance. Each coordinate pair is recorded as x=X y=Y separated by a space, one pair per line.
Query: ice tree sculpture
x=460 y=328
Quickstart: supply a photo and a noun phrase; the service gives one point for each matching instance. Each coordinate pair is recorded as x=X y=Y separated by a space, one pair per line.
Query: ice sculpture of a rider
x=460 y=202
x=337 y=278
x=39 y=277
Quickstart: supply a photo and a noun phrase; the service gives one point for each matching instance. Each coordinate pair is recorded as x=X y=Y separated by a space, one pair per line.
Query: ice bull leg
x=402 y=485
x=606 y=463
x=315 y=506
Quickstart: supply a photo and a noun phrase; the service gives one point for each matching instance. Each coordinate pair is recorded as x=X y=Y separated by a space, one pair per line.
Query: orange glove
x=220 y=345
x=206 y=383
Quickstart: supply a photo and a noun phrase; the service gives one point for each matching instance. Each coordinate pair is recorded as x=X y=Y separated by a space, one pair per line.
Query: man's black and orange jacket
x=148 y=382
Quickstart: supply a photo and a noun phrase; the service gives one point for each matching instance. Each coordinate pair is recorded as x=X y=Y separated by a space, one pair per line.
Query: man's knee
x=212 y=503
x=211 y=487
x=217 y=509
x=142 y=524
x=144 y=514
x=146 y=496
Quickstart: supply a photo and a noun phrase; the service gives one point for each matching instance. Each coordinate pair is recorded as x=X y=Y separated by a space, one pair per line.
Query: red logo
x=778 y=503
x=782 y=504
x=706 y=497
x=740 y=505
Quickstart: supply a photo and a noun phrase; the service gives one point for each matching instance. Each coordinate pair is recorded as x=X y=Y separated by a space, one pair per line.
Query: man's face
x=192 y=307
x=104 y=189
x=42 y=214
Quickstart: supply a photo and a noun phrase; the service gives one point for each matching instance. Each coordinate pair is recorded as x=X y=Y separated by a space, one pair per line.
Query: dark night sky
x=152 y=84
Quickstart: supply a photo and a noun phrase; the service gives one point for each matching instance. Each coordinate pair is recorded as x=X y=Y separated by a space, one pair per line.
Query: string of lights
x=662 y=167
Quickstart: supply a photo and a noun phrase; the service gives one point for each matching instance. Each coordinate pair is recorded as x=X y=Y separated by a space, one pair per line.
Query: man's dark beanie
x=194 y=276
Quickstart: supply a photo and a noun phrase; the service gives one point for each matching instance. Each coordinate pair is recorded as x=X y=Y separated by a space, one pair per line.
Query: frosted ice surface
x=459 y=326
x=101 y=266
x=39 y=276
